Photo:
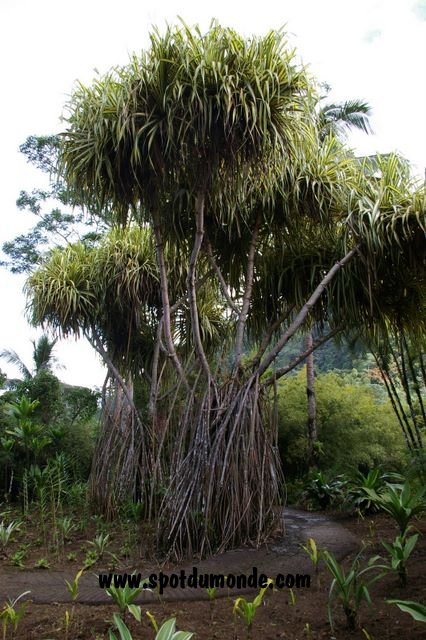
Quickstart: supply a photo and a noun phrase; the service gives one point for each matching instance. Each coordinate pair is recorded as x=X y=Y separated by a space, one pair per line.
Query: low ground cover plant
x=350 y=587
x=246 y=609
x=315 y=555
x=401 y=501
x=399 y=551
x=124 y=598
x=12 y=613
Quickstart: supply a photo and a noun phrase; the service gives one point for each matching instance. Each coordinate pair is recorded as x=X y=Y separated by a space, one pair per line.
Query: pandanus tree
x=396 y=336
x=109 y=293
x=209 y=140
x=195 y=113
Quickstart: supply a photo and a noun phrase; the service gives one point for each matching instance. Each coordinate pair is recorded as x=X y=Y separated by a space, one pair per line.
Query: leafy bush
x=401 y=502
x=349 y=587
x=357 y=428
x=323 y=493
x=78 y=443
x=415 y=468
x=33 y=430
x=46 y=388
x=358 y=494
x=399 y=551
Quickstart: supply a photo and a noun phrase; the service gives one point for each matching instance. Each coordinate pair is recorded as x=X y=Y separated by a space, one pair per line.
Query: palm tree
x=339 y=118
x=43 y=357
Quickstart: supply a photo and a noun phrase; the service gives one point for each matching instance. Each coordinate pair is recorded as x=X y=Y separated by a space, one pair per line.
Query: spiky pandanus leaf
x=189 y=107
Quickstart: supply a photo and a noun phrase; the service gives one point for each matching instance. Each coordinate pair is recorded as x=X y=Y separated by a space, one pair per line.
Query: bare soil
x=297 y=615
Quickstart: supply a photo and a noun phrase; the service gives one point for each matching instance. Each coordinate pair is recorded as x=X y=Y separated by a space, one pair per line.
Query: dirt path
x=284 y=556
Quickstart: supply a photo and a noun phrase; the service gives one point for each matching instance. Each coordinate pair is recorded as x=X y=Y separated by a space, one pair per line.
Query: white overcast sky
x=370 y=49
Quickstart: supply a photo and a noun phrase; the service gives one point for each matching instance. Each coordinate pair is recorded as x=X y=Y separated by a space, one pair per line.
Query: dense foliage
x=350 y=411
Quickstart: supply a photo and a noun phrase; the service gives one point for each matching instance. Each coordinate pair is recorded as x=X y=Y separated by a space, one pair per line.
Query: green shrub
x=399 y=551
x=401 y=502
x=319 y=492
x=357 y=428
x=358 y=496
x=350 y=587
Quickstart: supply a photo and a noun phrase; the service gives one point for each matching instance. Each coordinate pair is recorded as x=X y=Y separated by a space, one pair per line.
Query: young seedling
x=247 y=610
x=42 y=564
x=11 y=614
x=307 y=630
x=6 y=532
x=372 y=529
x=124 y=598
x=315 y=555
x=66 y=527
x=166 y=632
x=349 y=588
x=152 y=620
x=100 y=544
x=73 y=586
x=292 y=601
x=399 y=550
x=73 y=589
x=67 y=623
x=211 y=594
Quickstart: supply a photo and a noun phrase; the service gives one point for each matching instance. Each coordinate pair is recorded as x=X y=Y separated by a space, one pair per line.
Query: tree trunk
x=312 y=404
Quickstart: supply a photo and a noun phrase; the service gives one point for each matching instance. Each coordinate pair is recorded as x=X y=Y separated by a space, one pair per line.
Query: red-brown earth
x=300 y=615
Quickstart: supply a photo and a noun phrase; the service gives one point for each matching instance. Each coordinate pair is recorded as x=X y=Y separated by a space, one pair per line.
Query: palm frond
x=338 y=118
x=43 y=353
x=12 y=358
